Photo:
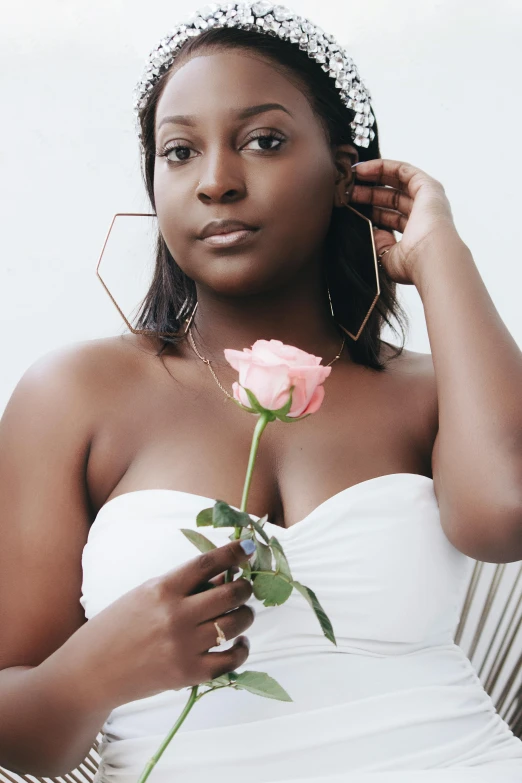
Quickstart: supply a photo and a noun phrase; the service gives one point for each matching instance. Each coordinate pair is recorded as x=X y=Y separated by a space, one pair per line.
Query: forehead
x=221 y=83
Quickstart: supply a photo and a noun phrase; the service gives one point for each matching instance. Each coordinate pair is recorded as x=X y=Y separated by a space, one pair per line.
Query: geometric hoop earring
x=356 y=336
x=176 y=334
x=102 y=281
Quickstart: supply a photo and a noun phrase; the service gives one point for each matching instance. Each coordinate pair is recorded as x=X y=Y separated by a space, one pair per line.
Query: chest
x=178 y=430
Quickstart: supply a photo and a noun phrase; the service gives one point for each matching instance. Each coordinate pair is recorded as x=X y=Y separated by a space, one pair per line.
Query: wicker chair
x=489 y=631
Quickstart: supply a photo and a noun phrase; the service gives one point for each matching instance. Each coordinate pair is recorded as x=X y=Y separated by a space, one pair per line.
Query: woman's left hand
x=415 y=204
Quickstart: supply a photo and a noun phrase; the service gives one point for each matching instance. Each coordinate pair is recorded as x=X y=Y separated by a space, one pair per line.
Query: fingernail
x=358 y=164
x=247 y=546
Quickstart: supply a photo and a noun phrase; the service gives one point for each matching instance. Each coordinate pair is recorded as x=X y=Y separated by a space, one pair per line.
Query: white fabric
x=395 y=701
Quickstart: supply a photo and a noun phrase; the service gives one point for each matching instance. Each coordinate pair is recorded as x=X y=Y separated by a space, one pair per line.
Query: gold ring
x=221 y=638
x=383 y=252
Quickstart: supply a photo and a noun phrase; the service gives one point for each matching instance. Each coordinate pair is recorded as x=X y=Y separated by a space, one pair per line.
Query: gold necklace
x=207 y=361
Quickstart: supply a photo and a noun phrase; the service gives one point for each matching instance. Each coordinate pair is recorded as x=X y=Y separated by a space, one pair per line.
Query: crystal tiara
x=276 y=20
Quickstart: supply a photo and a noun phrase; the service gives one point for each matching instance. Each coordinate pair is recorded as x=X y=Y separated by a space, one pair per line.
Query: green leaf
x=281 y=561
x=291 y=419
x=246 y=572
x=204 y=518
x=281 y=412
x=263 y=557
x=245 y=533
x=198 y=539
x=254 y=402
x=257 y=525
x=261 y=684
x=273 y=590
x=258 y=408
x=245 y=407
x=223 y=679
x=312 y=599
x=225 y=516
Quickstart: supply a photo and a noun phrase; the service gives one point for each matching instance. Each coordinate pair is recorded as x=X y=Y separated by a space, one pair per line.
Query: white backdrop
x=445 y=84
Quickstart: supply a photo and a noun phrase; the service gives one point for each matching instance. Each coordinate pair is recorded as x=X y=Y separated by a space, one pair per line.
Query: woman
x=382 y=499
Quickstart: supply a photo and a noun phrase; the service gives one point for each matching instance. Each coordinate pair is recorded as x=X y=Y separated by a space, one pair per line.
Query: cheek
x=169 y=206
x=307 y=178
x=316 y=184
x=164 y=196
x=302 y=198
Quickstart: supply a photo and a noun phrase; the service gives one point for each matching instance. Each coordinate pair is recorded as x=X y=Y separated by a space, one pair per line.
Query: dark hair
x=349 y=264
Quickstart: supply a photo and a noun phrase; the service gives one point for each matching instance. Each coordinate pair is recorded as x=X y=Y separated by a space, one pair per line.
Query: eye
x=260 y=137
x=168 y=148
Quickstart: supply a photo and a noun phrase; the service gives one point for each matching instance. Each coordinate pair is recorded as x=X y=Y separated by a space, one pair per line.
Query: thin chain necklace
x=207 y=361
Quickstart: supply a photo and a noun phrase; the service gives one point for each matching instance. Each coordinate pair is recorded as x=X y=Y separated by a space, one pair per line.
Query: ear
x=345 y=155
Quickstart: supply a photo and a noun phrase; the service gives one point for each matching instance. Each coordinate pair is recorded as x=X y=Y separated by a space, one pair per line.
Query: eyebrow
x=243 y=114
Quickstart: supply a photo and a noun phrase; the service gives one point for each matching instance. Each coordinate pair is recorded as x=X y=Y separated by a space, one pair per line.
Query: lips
x=225 y=227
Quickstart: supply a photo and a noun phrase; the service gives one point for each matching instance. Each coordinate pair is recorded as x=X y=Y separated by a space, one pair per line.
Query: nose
x=221 y=177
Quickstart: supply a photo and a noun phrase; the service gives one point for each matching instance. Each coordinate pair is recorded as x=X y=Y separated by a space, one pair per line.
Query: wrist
x=444 y=247
x=76 y=678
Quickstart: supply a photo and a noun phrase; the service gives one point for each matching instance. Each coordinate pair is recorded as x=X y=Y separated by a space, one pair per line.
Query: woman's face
x=217 y=168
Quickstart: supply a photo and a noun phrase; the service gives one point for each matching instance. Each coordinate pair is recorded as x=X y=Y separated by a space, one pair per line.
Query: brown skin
x=273 y=286
x=95 y=420
x=270 y=288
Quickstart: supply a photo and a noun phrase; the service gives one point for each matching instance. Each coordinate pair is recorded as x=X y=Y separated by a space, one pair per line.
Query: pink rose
x=270 y=368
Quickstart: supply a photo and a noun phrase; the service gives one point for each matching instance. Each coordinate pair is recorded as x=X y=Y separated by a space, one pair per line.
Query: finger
x=232 y=624
x=218 y=663
x=202 y=568
x=221 y=599
x=214 y=582
x=384 y=241
x=387 y=219
x=390 y=198
x=400 y=175
x=220 y=580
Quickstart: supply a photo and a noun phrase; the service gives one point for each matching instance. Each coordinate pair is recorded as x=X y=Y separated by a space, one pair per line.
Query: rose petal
x=270 y=368
x=316 y=401
x=234 y=358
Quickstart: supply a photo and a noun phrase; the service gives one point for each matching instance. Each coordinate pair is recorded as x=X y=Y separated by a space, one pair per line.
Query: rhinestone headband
x=276 y=20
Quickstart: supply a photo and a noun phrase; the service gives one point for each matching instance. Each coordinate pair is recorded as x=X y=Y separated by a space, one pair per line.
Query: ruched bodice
x=395 y=697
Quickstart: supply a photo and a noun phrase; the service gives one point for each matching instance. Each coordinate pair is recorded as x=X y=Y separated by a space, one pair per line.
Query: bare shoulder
x=90 y=365
x=415 y=374
x=409 y=362
x=414 y=365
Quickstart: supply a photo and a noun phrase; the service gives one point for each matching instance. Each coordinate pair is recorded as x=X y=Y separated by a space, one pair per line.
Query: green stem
x=263 y=420
x=211 y=690
x=276 y=573
x=151 y=763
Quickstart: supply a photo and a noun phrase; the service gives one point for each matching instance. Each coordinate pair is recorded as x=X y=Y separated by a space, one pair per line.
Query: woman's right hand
x=156 y=637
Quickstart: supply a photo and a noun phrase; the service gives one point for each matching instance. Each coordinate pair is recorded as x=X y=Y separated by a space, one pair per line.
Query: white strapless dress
x=396 y=701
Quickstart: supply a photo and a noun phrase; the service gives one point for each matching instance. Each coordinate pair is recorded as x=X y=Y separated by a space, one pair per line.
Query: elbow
x=492 y=535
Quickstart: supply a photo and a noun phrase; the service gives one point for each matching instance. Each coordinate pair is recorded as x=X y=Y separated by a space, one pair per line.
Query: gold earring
x=176 y=334
x=356 y=336
x=102 y=281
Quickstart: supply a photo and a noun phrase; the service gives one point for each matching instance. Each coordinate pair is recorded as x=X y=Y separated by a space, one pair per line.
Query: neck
x=297 y=314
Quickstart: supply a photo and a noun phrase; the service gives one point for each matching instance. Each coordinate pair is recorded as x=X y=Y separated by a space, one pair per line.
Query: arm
x=477 y=458
x=49 y=718
x=477 y=455
x=46 y=729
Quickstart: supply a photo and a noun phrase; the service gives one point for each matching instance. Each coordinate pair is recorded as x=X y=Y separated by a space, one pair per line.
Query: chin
x=236 y=277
